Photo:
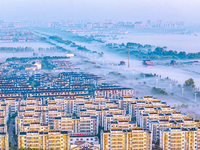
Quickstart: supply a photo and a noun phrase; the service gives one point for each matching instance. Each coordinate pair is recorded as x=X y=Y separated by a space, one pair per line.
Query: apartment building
x=125 y=101
x=116 y=117
x=53 y=139
x=64 y=123
x=86 y=124
x=120 y=139
x=113 y=139
x=4 y=145
x=179 y=138
x=114 y=93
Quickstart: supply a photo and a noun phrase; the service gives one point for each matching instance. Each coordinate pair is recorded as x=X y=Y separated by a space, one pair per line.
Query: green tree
x=159 y=50
x=13 y=148
x=189 y=83
x=33 y=82
x=182 y=54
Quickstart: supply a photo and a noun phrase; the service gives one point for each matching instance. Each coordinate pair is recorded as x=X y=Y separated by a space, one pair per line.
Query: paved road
x=10 y=132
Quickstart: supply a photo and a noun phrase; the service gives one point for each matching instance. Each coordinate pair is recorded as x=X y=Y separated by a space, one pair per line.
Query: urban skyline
x=99 y=75
x=118 y=10
x=86 y=24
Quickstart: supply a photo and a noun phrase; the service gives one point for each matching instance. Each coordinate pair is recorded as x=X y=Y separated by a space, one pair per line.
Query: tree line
x=16 y=49
x=24 y=59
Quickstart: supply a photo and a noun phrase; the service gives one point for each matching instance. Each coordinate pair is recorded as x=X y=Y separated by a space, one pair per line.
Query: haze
x=96 y=10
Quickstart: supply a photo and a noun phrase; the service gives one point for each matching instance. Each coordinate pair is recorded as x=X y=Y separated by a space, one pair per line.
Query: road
x=10 y=132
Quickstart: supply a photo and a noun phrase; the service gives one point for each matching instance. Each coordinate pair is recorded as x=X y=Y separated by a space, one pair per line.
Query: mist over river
x=179 y=42
x=110 y=60
x=34 y=45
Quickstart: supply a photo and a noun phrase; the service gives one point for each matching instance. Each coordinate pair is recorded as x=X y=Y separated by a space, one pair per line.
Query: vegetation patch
x=155 y=90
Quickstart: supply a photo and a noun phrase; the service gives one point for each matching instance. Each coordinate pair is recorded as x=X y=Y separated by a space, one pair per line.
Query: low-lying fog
x=131 y=77
x=178 y=42
x=34 y=45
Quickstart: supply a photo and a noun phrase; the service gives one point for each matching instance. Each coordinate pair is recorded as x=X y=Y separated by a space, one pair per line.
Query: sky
x=99 y=10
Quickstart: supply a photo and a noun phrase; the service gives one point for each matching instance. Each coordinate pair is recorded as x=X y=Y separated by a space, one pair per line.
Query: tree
x=182 y=54
x=13 y=148
x=33 y=82
x=159 y=50
x=189 y=83
x=183 y=105
x=22 y=67
x=155 y=90
x=31 y=148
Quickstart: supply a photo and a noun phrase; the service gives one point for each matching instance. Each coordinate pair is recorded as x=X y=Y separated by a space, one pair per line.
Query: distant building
x=4 y=25
x=108 y=25
x=49 y=25
x=122 y=63
x=161 y=23
x=148 y=24
x=17 y=24
x=148 y=63
x=173 y=63
x=139 y=25
x=56 y=25
x=89 y=25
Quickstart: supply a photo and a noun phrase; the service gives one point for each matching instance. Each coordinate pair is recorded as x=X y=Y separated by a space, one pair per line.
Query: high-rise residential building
x=89 y=26
x=120 y=139
x=180 y=138
x=53 y=139
x=161 y=23
x=4 y=145
x=86 y=124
